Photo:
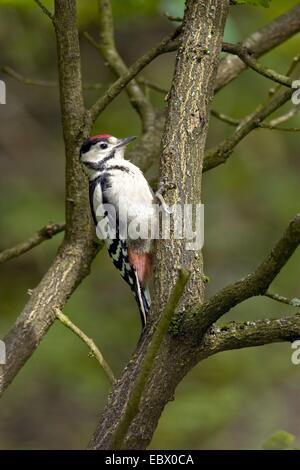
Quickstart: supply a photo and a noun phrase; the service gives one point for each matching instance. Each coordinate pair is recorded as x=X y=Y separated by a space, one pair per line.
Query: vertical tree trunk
x=181 y=163
x=185 y=134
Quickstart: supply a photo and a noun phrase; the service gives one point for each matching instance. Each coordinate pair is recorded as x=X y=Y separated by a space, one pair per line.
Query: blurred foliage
x=233 y=400
x=87 y=10
x=262 y=3
x=280 y=440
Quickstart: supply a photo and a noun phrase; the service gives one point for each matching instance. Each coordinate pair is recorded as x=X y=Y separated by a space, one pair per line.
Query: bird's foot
x=163 y=187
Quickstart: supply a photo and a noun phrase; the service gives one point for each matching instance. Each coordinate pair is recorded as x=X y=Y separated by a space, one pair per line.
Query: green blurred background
x=233 y=400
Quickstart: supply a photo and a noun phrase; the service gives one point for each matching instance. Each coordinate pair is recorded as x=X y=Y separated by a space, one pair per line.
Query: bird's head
x=101 y=148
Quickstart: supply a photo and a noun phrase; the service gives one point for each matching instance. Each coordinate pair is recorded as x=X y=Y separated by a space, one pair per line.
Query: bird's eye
x=103 y=146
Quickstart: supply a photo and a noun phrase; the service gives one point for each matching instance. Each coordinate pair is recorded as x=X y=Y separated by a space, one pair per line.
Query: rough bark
x=181 y=163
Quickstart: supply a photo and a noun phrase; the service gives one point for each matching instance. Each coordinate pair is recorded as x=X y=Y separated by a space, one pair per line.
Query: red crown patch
x=100 y=136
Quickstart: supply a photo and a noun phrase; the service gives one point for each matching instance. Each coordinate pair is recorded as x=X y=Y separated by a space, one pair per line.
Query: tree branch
x=28 y=81
x=249 y=334
x=220 y=154
x=45 y=10
x=177 y=19
x=263 y=125
x=225 y=118
x=295 y=302
x=108 y=50
x=290 y=70
x=88 y=341
x=147 y=150
x=42 y=83
x=274 y=123
x=71 y=265
x=75 y=255
x=266 y=125
x=116 y=88
x=261 y=41
x=285 y=117
x=45 y=233
x=153 y=86
x=252 y=285
x=249 y=60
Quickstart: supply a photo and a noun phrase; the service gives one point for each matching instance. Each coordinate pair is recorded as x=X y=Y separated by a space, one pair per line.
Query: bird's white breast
x=128 y=191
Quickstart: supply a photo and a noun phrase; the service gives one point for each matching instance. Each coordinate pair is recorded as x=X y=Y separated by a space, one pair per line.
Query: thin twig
x=148 y=360
x=294 y=63
x=295 y=302
x=263 y=125
x=220 y=154
x=250 y=60
x=285 y=117
x=289 y=72
x=27 y=81
x=42 y=83
x=225 y=118
x=176 y=19
x=92 y=86
x=91 y=40
x=45 y=10
x=43 y=234
x=152 y=85
x=88 y=341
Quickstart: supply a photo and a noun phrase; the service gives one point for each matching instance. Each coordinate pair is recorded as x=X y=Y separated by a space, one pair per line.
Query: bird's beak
x=125 y=141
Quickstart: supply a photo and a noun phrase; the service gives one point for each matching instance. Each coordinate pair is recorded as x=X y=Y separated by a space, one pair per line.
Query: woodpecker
x=118 y=182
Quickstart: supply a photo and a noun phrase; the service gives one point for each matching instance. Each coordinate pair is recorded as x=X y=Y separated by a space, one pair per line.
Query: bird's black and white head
x=98 y=150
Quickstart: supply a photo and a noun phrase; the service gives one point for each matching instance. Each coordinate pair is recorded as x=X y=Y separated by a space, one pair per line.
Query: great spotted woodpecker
x=115 y=181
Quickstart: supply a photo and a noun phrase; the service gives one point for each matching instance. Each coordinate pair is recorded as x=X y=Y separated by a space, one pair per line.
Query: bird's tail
x=143 y=299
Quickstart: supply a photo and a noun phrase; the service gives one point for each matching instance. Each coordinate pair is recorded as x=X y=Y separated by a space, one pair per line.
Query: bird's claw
x=163 y=187
x=163 y=203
